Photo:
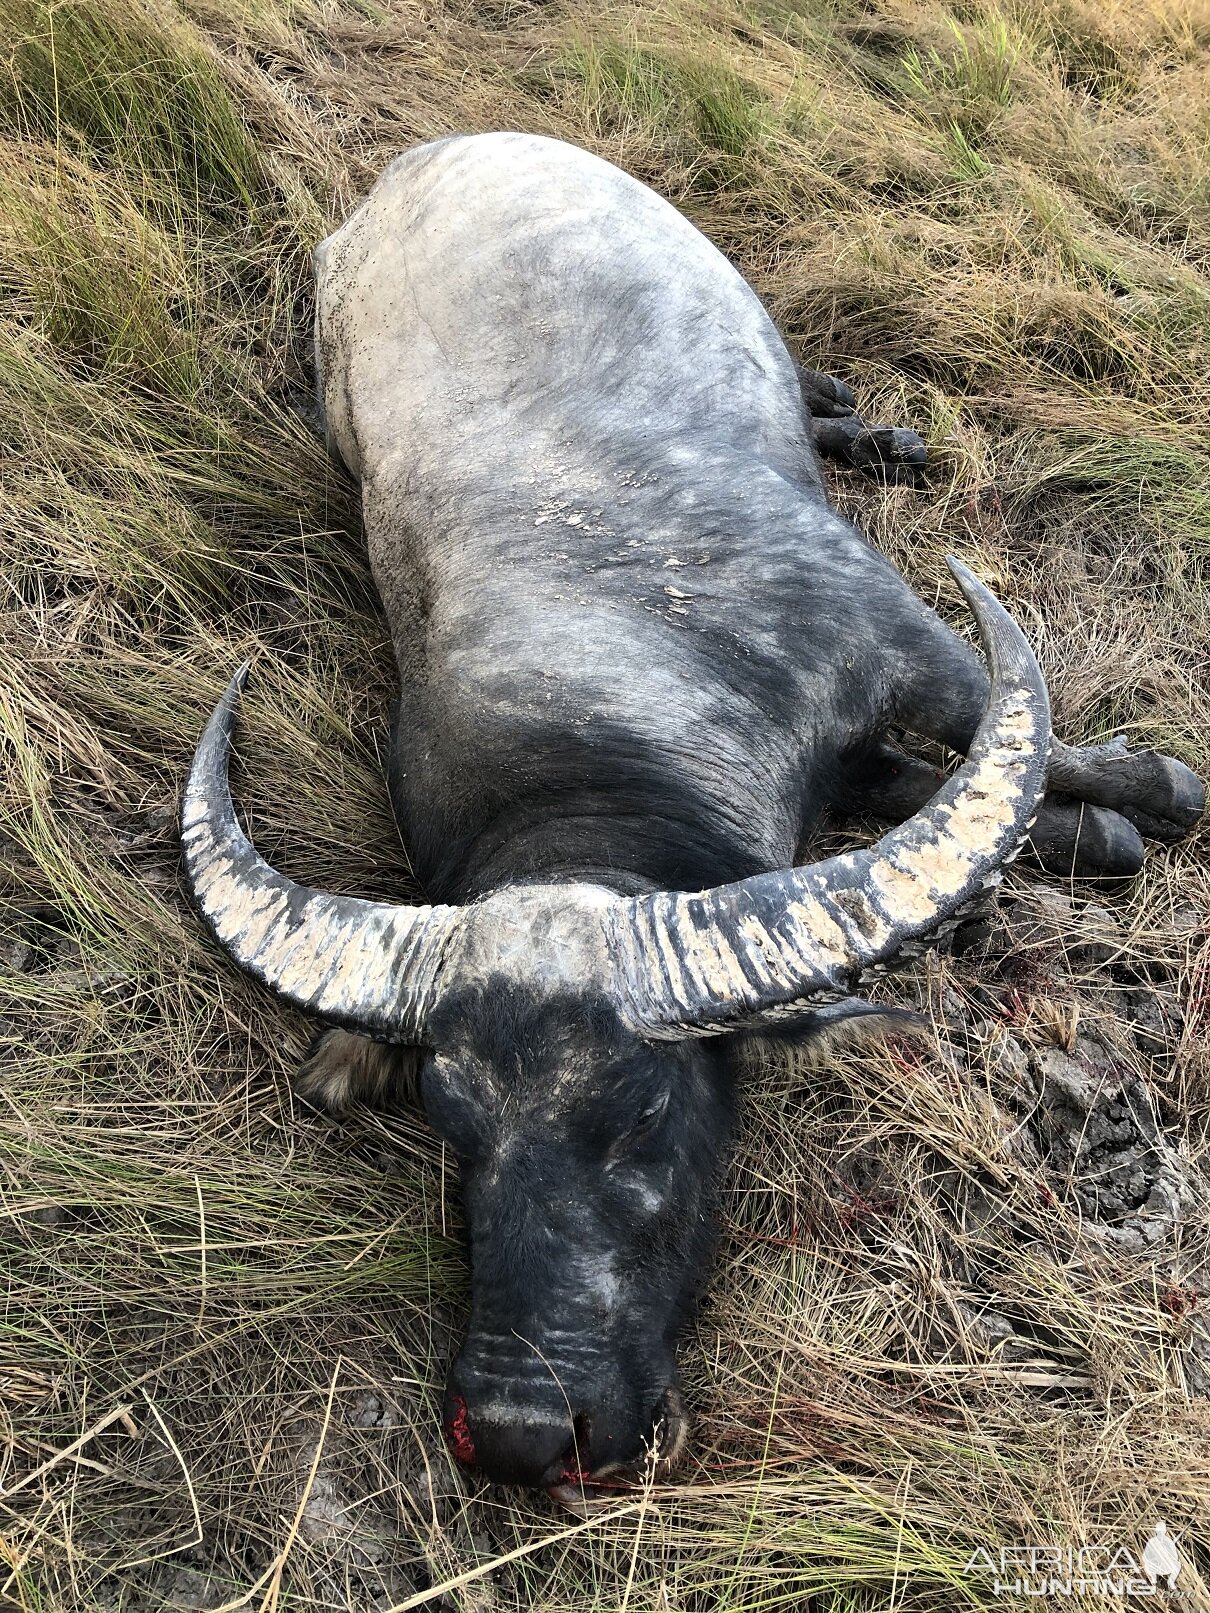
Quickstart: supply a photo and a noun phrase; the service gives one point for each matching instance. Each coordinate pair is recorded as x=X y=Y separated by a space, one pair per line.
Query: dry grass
x=994 y=222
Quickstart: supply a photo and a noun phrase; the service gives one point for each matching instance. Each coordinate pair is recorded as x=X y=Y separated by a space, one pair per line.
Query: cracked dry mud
x=1081 y=1108
x=1096 y=1127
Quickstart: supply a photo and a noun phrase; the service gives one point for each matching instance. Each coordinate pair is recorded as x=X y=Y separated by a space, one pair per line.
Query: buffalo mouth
x=581 y=1491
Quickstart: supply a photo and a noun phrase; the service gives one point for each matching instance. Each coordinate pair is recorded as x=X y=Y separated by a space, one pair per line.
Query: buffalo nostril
x=671 y=1423
x=581 y=1436
x=574 y=1466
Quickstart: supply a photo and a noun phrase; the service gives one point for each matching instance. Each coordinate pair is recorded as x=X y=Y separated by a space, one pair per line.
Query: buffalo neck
x=630 y=852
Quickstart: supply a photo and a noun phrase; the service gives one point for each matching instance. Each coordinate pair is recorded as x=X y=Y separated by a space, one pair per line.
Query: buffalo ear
x=849 y=1022
x=342 y=1069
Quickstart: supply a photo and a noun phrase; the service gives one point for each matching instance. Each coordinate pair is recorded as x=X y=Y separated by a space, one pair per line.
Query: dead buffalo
x=639 y=655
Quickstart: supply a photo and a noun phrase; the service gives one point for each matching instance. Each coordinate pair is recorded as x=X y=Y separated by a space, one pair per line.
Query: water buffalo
x=639 y=655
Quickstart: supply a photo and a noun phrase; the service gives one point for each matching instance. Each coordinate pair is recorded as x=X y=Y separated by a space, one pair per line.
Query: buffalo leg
x=1068 y=837
x=840 y=433
x=1111 y=794
x=826 y=396
x=342 y=1069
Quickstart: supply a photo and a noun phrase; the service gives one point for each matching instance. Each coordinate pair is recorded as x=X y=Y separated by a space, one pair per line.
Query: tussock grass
x=132 y=88
x=226 y=1323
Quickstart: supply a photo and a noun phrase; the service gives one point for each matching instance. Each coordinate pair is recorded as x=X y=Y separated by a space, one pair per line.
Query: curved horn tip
x=228 y=701
x=968 y=582
x=1005 y=645
x=987 y=610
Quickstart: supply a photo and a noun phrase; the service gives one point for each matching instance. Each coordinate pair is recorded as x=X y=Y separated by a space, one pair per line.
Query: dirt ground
x=962 y=1293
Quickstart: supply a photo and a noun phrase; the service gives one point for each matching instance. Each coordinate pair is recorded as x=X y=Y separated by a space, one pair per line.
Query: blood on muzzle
x=517 y=1450
x=561 y=1456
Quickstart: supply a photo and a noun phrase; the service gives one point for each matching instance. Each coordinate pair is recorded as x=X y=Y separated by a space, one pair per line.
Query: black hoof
x=825 y=395
x=895 y=445
x=1162 y=797
x=885 y=450
x=1080 y=841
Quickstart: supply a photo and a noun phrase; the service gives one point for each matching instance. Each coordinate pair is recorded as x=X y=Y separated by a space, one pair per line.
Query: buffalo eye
x=645 y=1122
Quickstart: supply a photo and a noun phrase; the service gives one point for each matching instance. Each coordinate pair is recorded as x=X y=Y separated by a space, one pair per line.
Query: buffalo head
x=569 y=1043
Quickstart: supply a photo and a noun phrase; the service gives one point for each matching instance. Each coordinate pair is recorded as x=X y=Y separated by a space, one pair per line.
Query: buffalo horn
x=365 y=965
x=761 y=950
